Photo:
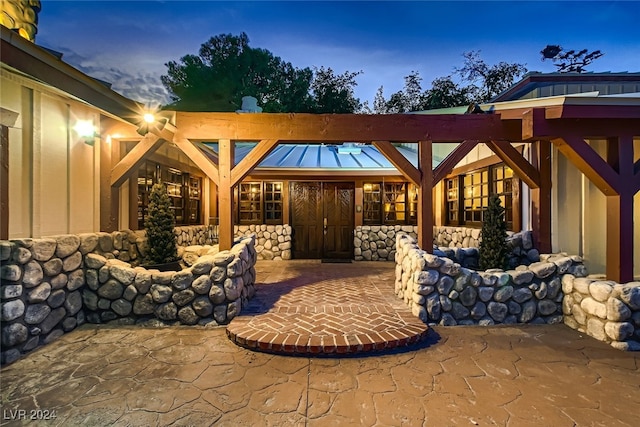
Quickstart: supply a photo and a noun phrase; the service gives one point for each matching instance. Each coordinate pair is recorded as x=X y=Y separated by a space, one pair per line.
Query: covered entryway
x=322 y=218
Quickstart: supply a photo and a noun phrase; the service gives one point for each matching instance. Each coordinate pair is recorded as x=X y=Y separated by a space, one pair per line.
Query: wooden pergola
x=565 y=126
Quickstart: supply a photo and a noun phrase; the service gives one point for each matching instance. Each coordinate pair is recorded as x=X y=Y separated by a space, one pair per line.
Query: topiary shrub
x=493 y=247
x=159 y=225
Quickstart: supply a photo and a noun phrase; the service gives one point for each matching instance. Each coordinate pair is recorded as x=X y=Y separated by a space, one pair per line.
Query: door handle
x=324 y=223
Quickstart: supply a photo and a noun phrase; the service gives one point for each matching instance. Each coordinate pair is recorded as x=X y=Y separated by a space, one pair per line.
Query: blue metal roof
x=324 y=157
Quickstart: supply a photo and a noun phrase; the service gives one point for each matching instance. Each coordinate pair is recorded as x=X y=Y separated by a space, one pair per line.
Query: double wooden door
x=322 y=219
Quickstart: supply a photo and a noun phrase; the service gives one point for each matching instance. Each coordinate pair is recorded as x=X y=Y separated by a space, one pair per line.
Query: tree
x=410 y=98
x=444 y=93
x=159 y=225
x=227 y=68
x=379 y=103
x=485 y=82
x=569 y=61
x=334 y=93
x=493 y=247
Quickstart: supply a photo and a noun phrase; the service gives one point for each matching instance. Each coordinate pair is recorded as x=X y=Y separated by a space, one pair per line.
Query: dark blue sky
x=128 y=43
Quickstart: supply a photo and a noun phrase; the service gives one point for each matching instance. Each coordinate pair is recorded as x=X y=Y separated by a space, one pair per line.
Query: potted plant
x=161 y=252
x=493 y=247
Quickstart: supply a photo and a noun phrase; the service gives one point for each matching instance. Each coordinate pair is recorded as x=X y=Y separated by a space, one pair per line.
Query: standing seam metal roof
x=323 y=157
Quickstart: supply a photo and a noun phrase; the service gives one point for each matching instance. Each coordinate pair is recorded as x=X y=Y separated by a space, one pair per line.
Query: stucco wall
x=579 y=213
x=53 y=175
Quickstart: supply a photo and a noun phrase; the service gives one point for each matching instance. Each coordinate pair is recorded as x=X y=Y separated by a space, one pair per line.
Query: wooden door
x=338 y=200
x=306 y=219
x=322 y=219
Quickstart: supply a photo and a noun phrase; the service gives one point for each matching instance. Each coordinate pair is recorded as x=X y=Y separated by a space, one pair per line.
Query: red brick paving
x=309 y=308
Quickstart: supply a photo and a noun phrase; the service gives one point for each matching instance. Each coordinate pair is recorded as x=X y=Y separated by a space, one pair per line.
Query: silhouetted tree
x=485 y=82
x=227 y=68
x=569 y=61
x=334 y=93
x=444 y=93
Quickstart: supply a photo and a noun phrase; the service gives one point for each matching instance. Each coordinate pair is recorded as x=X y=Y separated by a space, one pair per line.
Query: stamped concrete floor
x=542 y=375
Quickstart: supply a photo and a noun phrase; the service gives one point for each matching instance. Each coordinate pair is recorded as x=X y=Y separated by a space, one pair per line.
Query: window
x=390 y=203
x=452 y=200
x=250 y=203
x=476 y=196
x=372 y=204
x=467 y=196
x=273 y=202
x=260 y=203
x=502 y=185
x=184 y=191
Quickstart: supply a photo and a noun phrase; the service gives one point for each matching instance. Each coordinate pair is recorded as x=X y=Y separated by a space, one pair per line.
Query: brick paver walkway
x=305 y=307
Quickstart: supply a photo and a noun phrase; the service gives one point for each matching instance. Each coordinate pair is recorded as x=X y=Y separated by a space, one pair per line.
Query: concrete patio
x=526 y=375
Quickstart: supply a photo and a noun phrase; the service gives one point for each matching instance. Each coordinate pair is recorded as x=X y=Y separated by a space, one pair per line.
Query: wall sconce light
x=86 y=131
x=149 y=118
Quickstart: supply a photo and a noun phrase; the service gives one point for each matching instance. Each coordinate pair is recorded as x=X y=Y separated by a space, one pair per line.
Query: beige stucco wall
x=53 y=173
x=579 y=213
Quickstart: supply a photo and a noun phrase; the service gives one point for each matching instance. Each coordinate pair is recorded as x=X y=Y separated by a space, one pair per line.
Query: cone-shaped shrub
x=159 y=224
x=493 y=247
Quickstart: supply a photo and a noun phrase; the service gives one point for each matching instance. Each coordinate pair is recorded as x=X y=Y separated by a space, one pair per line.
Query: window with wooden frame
x=452 y=201
x=250 y=203
x=184 y=192
x=390 y=203
x=260 y=203
x=273 y=203
x=476 y=196
x=467 y=195
x=372 y=209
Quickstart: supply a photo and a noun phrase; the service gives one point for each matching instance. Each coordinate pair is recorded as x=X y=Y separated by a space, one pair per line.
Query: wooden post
x=4 y=182
x=225 y=193
x=109 y=196
x=541 y=197
x=619 y=263
x=425 y=195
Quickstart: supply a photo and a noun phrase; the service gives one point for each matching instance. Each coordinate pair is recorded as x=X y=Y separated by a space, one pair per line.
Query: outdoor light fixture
x=86 y=131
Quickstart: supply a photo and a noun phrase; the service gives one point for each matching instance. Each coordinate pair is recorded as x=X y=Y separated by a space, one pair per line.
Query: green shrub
x=159 y=224
x=493 y=247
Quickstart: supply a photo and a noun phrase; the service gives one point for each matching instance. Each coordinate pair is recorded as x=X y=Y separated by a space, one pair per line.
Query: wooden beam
x=594 y=111
x=134 y=159
x=425 y=197
x=619 y=262
x=446 y=166
x=536 y=126
x=510 y=156
x=199 y=158
x=578 y=152
x=400 y=162
x=541 y=197
x=109 y=196
x=340 y=127
x=225 y=193
x=251 y=160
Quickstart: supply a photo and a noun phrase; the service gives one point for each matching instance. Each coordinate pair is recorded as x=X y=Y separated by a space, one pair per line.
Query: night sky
x=128 y=43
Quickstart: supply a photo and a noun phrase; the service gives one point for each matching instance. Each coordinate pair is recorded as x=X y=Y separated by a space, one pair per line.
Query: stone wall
x=603 y=309
x=50 y=286
x=378 y=243
x=273 y=242
x=441 y=291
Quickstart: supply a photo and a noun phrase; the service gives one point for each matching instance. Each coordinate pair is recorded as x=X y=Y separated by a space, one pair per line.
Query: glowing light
x=149 y=117
x=85 y=128
x=368 y=187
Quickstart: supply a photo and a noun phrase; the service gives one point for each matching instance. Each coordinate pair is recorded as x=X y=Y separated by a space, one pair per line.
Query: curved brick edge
x=241 y=332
